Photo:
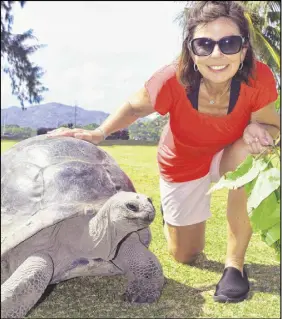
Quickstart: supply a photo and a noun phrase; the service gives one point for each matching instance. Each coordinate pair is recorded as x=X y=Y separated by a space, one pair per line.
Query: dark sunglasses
x=227 y=45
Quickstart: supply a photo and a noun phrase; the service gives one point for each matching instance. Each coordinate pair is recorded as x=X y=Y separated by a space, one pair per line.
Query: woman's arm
x=137 y=106
x=269 y=118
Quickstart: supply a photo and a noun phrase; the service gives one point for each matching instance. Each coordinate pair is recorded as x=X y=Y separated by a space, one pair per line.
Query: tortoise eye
x=132 y=207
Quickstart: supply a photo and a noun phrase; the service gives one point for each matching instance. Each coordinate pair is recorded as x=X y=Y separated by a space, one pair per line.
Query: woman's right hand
x=93 y=136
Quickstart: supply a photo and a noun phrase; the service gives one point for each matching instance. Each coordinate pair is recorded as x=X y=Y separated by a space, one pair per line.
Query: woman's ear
x=192 y=56
x=243 y=54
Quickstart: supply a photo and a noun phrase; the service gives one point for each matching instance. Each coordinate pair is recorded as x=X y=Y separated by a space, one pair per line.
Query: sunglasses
x=227 y=45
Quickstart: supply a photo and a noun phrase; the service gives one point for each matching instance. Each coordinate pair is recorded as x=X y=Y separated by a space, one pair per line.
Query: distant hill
x=50 y=115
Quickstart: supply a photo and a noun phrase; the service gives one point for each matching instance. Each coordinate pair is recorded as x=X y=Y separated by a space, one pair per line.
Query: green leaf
x=249 y=186
x=277 y=247
x=242 y=169
x=244 y=173
x=272 y=235
x=266 y=215
x=267 y=182
x=278 y=193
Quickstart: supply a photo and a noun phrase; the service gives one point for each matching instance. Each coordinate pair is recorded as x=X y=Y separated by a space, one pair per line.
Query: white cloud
x=98 y=53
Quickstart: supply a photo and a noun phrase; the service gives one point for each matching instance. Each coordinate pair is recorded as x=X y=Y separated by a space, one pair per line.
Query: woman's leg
x=234 y=285
x=185 y=243
x=186 y=207
x=239 y=228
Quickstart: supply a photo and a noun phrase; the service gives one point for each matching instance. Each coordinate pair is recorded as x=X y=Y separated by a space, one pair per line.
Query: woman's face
x=218 y=67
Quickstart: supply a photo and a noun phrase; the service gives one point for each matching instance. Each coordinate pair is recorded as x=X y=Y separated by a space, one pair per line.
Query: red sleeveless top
x=191 y=139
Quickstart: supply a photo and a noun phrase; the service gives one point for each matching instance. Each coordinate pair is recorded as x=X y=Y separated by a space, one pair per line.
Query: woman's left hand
x=257 y=138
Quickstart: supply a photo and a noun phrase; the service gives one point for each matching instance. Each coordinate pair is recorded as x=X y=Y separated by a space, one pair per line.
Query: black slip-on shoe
x=232 y=287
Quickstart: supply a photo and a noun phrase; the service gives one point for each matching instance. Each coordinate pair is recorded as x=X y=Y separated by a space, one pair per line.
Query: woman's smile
x=218 y=68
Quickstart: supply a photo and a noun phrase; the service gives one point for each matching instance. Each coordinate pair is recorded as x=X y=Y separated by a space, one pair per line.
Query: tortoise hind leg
x=21 y=291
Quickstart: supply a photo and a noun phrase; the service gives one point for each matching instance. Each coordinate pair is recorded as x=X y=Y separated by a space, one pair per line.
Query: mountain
x=50 y=115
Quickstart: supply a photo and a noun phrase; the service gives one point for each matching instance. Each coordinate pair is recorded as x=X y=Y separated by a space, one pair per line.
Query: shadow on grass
x=263 y=278
x=101 y=297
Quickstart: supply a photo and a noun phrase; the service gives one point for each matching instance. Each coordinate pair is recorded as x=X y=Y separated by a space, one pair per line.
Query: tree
x=68 y=125
x=124 y=134
x=91 y=126
x=264 y=20
x=15 y=58
x=148 y=130
x=114 y=136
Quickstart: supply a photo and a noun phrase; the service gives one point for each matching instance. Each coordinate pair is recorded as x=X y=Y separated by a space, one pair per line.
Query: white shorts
x=186 y=203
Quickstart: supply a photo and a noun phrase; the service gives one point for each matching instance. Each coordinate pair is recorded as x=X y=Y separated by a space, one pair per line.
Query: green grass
x=6 y=144
x=189 y=289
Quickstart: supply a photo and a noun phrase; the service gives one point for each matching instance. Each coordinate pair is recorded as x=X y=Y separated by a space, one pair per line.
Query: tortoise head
x=122 y=214
x=129 y=210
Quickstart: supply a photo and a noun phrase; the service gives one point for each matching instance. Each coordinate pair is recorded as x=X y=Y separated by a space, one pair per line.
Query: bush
x=44 y=130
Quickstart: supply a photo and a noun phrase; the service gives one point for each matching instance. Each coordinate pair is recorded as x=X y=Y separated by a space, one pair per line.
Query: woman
x=221 y=105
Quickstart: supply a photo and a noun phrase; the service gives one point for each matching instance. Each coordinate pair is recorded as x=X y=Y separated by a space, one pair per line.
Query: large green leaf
x=244 y=173
x=277 y=247
x=242 y=169
x=266 y=215
x=267 y=182
x=272 y=235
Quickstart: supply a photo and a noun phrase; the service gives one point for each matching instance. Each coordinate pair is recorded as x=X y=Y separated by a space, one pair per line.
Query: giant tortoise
x=68 y=210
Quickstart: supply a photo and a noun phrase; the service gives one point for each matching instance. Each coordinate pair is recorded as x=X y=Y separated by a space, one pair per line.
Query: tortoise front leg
x=143 y=271
x=25 y=286
x=145 y=236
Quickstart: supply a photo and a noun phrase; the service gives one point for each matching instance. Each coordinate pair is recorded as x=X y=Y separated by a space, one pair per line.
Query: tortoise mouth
x=150 y=217
x=147 y=217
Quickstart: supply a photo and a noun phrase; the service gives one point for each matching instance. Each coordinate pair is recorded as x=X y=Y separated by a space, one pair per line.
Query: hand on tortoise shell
x=94 y=136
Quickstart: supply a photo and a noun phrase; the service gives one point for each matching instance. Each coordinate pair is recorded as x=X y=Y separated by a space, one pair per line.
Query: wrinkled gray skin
x=68 y=210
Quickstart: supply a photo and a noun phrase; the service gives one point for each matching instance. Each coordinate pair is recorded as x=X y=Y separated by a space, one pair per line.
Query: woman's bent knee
x=185 y=243
x=233 y=155
x=185 y=257
x=241 y=148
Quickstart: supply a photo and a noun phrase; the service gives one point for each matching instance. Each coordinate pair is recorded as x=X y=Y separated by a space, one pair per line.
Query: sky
x=98 y=53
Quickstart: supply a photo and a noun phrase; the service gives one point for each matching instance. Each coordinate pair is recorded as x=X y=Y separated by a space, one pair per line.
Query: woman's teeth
x=218 y=67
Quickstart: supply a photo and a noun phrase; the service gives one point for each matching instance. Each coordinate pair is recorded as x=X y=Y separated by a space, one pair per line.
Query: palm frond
x=273 y=37
x=252 y=27
x=267 y=52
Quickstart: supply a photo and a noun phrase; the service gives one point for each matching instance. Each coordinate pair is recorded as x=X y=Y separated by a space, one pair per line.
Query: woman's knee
x=240 y=149
x=185 y=243
x=185 y=257
x=234 y=155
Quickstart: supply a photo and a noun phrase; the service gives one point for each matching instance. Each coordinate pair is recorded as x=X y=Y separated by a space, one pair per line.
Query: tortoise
x=69 y=210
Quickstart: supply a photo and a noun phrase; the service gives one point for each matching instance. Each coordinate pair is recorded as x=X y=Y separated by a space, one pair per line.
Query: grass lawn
x=189 y=289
